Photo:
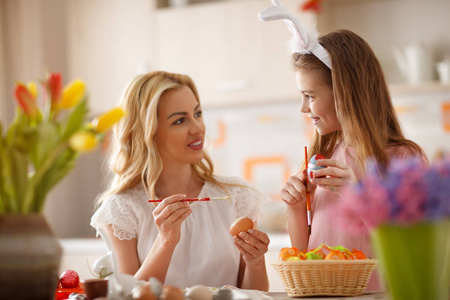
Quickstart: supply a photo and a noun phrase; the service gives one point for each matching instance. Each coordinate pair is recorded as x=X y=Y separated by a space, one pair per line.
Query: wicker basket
x=325 y=277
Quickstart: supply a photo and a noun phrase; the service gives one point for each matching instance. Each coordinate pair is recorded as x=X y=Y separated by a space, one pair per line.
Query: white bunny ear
x=304 y=38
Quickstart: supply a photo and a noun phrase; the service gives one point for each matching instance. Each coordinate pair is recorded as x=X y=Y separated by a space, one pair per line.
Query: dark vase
x=30 y=256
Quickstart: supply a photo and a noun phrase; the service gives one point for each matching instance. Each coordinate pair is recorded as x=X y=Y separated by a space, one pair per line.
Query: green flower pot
x=414 y=261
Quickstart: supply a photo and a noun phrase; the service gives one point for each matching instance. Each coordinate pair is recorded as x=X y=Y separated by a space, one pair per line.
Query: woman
x=158 y=154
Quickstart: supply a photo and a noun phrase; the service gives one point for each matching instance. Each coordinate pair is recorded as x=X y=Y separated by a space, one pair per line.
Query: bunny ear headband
x=304 y=40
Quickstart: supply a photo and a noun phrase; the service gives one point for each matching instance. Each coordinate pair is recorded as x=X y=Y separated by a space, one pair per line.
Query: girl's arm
x=252 y=268
x=294 y=195
x=298 y=226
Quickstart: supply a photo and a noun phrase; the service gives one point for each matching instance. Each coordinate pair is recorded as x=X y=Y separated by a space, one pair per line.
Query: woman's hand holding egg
x=169 y=215
x=252 y=243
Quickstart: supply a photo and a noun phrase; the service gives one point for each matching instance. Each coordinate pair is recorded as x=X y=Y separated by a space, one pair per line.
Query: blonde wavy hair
x=134 y=157
x=362 y=100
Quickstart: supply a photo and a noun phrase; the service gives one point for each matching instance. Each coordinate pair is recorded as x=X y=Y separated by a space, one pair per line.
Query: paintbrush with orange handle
x=308 y=196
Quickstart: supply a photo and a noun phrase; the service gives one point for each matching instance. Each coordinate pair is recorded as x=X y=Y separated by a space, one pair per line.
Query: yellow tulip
x=32 y=87
x=83 y=141
x=72 y=94
x=108 y=119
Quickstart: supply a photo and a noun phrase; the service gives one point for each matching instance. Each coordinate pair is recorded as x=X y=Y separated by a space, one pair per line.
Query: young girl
x=158 y=154
x=344 y=93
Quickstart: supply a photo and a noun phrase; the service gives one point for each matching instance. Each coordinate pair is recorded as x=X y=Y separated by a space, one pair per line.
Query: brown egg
x=171 y=293
x=241 y=225
x=142 y=292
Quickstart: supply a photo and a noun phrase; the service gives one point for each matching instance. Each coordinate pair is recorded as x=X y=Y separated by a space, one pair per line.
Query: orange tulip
x=54 y=81
x=26 y=100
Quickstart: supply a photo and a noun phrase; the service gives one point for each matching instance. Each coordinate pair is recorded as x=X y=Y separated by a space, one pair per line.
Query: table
x=366 y=296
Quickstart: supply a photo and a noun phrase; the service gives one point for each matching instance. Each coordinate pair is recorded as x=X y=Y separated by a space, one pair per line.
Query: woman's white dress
x=206 y=253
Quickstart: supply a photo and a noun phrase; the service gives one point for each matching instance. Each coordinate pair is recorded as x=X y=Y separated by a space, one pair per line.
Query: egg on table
x=241 y=225
x=171 y=293
x=142 y=292
x=199 y=292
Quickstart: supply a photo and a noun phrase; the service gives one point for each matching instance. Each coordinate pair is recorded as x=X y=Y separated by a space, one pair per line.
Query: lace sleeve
x=119 y=211
x=247 y=198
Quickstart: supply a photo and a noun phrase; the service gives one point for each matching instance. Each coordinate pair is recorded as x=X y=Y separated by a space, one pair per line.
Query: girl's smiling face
x=181 y=130
x=317 y=101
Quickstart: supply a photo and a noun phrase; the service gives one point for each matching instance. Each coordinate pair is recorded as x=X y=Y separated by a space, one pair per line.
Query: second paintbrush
x=197 y=199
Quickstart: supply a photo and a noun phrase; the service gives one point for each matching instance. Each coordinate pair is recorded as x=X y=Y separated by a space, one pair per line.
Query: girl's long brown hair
x=362 y=100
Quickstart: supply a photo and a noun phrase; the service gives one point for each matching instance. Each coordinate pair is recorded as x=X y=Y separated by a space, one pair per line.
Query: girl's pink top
x=324 y=229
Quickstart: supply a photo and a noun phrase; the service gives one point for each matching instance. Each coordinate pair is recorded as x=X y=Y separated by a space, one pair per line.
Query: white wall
x=385 y=24
x=32 y=43
x=107 y=42
x=4 y=109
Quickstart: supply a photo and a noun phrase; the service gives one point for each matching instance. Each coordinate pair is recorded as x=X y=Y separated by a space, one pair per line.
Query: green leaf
x=3 y=199
x=63 y=165
x=75 y=121
x=339 y=248
x=16 y=164
x=311 y=255
x=44 y=140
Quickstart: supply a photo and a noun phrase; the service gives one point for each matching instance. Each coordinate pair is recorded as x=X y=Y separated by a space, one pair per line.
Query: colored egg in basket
x=315 y=273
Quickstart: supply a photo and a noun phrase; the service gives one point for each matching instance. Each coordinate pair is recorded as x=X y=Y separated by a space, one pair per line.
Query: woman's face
x=180 y=132
x=317 y=101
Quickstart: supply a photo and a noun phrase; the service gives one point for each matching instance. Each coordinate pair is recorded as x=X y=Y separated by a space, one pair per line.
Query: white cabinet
x=232 y=56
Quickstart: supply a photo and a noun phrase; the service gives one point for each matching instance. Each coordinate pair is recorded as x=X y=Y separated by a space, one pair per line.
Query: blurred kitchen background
x=241 y=67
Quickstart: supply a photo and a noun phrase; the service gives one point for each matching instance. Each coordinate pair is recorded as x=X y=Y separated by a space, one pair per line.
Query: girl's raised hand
x=252 y=245
x=335 y=176
x=169 y=215
x=294 y=191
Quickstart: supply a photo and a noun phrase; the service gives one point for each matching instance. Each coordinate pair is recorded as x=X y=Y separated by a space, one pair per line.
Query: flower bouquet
x=41 y=145
x=37 y=150
x=406 y=208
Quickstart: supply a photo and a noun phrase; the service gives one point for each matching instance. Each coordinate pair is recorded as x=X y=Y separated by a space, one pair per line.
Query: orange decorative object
x=446 y=116
x=358 y=254
x=287 y=254
x=334 y=253
x=221 y=137
x=251 y=163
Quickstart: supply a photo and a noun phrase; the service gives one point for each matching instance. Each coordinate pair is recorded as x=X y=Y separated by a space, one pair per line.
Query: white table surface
x=366 y=296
